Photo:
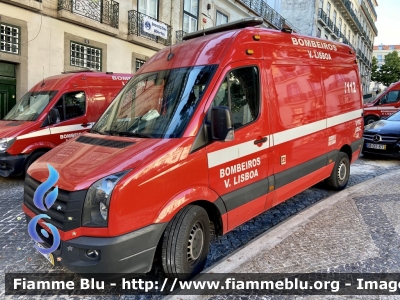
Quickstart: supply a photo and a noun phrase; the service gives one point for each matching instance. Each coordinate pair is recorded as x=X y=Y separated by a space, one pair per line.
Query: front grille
x=387 y=139
x=103 y=142
x=65 y=213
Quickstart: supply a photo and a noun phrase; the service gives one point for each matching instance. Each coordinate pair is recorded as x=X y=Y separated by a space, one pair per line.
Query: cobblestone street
x=17 y=252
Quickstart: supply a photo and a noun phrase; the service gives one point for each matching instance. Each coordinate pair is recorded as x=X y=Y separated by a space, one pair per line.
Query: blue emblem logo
x=147 y=24
x=38 y=198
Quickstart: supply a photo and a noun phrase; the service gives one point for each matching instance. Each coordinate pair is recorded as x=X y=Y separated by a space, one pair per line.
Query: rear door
x=238 y=169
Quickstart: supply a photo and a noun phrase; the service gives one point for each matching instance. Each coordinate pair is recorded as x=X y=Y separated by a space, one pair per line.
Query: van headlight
x=6 y=143
x=97 y=200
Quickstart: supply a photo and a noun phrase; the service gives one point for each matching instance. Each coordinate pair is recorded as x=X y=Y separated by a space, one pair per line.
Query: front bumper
x=12 y=164
x=129 y=253
x=391 y=149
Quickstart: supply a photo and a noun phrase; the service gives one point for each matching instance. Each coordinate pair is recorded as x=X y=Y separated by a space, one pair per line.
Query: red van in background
x=210 y=133
x=54 y=110
x=385 y=104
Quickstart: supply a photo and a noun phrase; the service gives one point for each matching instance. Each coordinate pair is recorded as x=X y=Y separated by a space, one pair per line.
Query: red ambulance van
x=53 y=111
x=385 y=104
x=210 y=133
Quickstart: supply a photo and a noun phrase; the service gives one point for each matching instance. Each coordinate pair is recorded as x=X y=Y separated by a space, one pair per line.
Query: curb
x=280 y=232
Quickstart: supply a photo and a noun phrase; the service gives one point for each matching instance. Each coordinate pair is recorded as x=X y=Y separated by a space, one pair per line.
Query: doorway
x=8 y=84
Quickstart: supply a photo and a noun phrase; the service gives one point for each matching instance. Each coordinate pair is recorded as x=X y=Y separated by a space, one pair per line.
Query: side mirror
x=54 y=116
x=221 y=124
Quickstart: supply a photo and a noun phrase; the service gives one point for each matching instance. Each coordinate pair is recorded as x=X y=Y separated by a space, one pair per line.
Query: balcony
x=370 y=20
x=336 y=32
x=135 y=29
x=34 y=5
x=369 y=43
x=372 y=9
x=270 y=16
x=325 y=21
x=101 y=15
x=179 y=35
x=349 y=14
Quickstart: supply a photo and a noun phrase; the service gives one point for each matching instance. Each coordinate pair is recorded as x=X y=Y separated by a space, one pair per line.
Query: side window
x=392 y=97
x=240 y=92
x=71 y=105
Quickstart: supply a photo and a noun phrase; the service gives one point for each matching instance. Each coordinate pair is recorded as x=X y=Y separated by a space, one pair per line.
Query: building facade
x=380 y=52
x=349 y=21
x=41 y=38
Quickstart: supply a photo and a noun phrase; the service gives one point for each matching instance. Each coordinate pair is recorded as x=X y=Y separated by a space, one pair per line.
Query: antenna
x=170 y=55
x=43 y=78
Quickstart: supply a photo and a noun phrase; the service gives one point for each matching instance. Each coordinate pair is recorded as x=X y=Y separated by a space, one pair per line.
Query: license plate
x=49 y=257
x=376 y=146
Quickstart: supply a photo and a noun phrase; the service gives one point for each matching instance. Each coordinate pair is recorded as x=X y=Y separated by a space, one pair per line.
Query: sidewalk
x=355 y=231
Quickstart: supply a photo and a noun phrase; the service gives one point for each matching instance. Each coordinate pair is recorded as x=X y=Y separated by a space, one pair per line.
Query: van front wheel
x=340 y=173
x=185 y=243
x=34 y=156
x=370 y=119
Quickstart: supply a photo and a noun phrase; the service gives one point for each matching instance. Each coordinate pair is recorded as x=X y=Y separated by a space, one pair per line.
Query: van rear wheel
x=186 y=242
x=340 y=173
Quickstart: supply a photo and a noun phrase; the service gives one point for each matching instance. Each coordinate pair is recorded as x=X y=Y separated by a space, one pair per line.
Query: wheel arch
x=347 y=149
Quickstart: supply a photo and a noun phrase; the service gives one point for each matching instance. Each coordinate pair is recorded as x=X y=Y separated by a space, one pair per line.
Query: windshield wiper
x=96 y=131
x=128 y=133
x=134 y=134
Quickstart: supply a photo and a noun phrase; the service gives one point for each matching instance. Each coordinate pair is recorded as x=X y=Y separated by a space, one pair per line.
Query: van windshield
x=30 y=106
x=158 y=104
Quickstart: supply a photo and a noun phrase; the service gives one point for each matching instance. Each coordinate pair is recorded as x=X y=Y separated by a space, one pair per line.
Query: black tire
x=370 y=119
x=340 y=173
x=34 y=156
x=186 y=241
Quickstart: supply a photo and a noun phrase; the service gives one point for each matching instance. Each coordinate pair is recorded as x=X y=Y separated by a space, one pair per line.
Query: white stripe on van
x=294 y=133
x=222 y=156
x=55 y=130
x=381 y=108
x=333 y=121
x=225 y=155
x=34 y=134
x=69 y=128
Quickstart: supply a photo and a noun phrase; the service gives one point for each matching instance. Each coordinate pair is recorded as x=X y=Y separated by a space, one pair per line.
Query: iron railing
x=179 y=35
x=322 y=16
x=103 y=11
x=336 y=31
x=268 y=14
x=328 y=24
x=371 y=21
x=347 y=5
x=372 y=8
x=135 y=27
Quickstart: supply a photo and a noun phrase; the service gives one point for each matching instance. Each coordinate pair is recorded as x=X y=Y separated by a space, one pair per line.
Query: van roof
x=230 y=43
x=57 y=81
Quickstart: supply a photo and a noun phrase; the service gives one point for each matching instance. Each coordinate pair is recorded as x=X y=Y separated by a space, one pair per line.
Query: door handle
x=260 y=141
x=85 y=125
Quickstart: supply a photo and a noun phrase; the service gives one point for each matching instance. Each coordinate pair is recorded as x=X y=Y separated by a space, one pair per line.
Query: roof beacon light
x=287 y=30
